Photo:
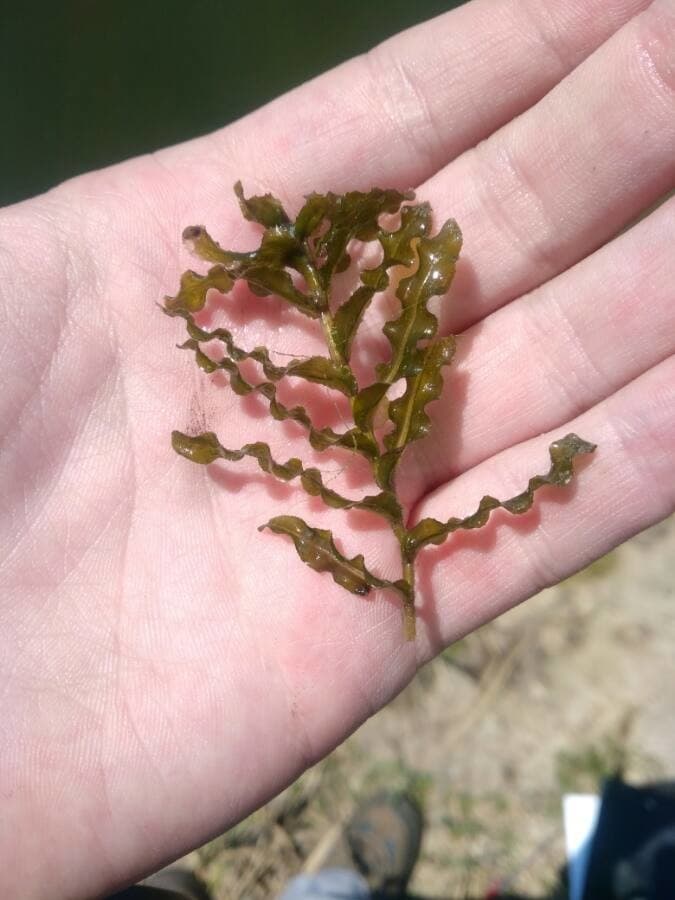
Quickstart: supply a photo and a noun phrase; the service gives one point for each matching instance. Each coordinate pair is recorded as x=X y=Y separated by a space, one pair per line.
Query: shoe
x=383 y=838
x=175 y=882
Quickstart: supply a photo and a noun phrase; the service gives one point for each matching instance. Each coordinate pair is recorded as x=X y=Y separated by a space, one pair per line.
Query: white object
x=580 y=817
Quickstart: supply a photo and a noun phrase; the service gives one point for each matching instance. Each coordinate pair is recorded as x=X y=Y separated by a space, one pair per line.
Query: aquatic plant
x=298 y=261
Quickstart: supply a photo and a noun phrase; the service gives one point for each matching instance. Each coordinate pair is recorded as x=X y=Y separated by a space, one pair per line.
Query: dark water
x=84 y=83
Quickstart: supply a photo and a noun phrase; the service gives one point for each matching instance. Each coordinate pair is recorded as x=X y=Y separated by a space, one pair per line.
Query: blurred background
x=550 y=698
x=85 y=84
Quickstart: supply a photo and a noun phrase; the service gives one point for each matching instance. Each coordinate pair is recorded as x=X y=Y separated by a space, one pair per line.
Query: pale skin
x=165 y=668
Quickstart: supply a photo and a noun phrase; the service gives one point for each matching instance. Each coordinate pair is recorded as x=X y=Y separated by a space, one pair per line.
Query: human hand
x=166 y=668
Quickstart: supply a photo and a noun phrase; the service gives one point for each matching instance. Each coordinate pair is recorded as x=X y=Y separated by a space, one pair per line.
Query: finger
x=543 y=359
x=559 y=181
x=627 y=485
x=394 y=116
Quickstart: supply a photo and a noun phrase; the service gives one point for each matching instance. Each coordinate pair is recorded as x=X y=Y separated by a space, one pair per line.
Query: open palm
x=166 y=667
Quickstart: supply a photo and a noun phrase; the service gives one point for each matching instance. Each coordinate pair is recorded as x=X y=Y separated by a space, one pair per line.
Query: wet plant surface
x=299 y=262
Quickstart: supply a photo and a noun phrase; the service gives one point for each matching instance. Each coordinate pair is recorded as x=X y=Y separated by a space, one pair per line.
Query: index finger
x=394 y=116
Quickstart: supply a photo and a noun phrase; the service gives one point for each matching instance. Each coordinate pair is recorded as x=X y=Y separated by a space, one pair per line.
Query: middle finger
x=543 y=359
x=557 y=182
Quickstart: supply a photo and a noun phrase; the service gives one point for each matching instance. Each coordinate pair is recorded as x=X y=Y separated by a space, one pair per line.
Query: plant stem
x=307 y=268
x=408 y=592
x=327 y=324
x=407 y=589
x=409 y=620
x=409 y=602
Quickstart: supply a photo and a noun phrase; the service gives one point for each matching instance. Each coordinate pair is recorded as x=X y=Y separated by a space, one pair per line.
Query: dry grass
x=552 y=697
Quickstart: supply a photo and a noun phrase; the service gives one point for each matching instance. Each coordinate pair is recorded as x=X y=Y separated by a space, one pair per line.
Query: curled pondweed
x=316 y=246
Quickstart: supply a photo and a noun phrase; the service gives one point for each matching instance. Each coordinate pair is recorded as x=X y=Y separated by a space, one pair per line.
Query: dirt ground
x=572 y=686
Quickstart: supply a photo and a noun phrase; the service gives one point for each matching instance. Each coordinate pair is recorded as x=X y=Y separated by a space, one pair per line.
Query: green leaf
x=263 y=269
x=198 y=241
x=265 y=210
x=312 y=214
x=322 y=370
x=384 y=467
x=316 y=548
x=348 y=317
x=202 y=448
x=436 y=268
x=317 y=369
x=353 y=439
x=562 y=453
x=398 y=250
x=350 y=216
x=193 y=289
x=259 y=354
x=383 y=504
x=297 y=262
x=408 y=413
x=206 y=448
x=366 y=403
x=264 y=281
x=399 y=245
x=319 y=438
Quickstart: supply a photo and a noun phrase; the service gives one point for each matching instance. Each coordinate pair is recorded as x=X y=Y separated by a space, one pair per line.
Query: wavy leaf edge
x=296 y=262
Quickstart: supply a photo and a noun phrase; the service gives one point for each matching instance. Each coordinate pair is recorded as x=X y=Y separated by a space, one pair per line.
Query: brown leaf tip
x=191 y=234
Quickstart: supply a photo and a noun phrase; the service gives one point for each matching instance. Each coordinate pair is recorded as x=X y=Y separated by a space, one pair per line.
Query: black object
x=633 y=851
